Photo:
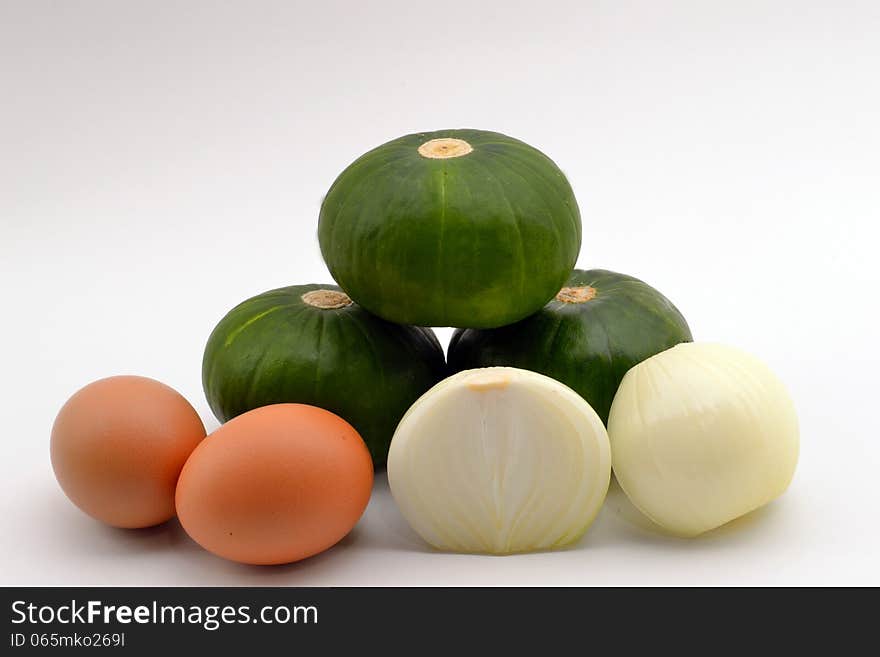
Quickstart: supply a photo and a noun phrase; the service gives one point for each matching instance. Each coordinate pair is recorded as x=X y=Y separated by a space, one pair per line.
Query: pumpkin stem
x=576 y=294
x=441 y=149
x=326 y=299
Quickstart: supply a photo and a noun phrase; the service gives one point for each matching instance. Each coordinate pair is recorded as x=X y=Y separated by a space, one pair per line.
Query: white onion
x=702 y=434
x=499 y=460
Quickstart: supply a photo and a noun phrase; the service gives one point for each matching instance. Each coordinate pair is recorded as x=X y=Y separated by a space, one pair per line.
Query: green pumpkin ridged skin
x=276 y=348
x=480 y=240
x=588 y=346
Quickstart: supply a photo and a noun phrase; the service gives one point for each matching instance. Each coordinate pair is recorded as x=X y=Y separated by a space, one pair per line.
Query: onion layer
x=702 y=434
x=499 y=460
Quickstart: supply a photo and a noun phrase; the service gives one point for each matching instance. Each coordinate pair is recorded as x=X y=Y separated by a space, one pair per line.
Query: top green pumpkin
x=461 y=228
x=598 y=327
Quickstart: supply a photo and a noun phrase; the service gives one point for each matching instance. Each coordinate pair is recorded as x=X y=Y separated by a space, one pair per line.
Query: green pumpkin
x=598 y=327
x=310 y=344
x=459 y=228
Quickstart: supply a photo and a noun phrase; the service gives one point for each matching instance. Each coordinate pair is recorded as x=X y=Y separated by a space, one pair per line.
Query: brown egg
x=118 y=446
x=276 y=484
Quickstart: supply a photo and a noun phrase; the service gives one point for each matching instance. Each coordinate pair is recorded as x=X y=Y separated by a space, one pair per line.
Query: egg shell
x=118 y=446
x=275 y=485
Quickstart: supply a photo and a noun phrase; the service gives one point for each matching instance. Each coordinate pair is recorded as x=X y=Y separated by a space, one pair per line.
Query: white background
x=160 y=162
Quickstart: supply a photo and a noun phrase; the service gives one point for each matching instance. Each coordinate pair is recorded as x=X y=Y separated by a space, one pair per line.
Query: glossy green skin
x=275 y=348
x=480 y=240
x=587 y=346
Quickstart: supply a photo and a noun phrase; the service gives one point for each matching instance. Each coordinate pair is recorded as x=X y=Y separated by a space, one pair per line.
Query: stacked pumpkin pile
x=503 y=448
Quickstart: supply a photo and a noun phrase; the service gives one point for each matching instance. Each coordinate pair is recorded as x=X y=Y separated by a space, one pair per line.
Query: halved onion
x=499 y=460
x=702 y=434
